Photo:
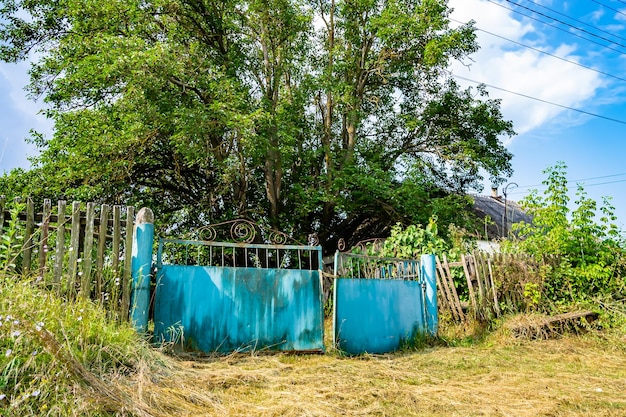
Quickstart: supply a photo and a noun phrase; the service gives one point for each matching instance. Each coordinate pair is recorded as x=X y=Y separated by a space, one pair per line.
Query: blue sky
x=592 y=147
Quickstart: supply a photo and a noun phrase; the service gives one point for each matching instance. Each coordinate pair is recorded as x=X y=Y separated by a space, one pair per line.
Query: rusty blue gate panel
x=225 y=309
x=376 y=315
x=381 y=302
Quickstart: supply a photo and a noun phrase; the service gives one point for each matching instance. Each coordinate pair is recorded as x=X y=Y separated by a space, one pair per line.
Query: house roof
x=492 y=208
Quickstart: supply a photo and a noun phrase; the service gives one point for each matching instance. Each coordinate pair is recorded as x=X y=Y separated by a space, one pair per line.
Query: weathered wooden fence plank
x=443 y=284
x=28 y=236
x=60 y=245
x=125 y=281
x=470 y=287
x=450 y=279
x=85 y=286
x=74 y=248
x=43 y=244
x=496 y=304
x=117 y=231
x=102 y=239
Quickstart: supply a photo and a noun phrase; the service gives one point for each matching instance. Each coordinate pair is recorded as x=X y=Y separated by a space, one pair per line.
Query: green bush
x=584 y=250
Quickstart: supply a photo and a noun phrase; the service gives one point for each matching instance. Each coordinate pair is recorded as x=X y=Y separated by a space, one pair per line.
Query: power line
x=567 y=24
x=581 y=179
x=576 y=20
x=608 y=7
x=547 y=53
x=556 y=27
x=571 y=188
x=542 y=100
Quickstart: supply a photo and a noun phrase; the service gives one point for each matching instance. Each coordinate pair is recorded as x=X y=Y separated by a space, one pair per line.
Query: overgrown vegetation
x=67 y=358
x=62 y=358
x=582 y=253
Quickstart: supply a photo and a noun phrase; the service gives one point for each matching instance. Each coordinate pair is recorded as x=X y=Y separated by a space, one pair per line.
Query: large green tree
x=313 y=115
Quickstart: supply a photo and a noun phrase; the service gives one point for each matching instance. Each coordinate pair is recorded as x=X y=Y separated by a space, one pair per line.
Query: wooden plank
x=479 y=279
x=126 y=276
x=74 y=248
x=443 y=283
x=27 y=250
x=45 y=230
x=85 y=285
x=496 y=304
x=452 y=286
x=60 y=245
x=551 y=326
x=472 y=297
x=116 y=246
x=117 y=232
x=102 y=238
x=442 y=297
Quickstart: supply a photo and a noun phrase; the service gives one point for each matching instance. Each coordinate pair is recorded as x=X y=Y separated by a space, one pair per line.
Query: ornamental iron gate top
x=242 y=243
x=350 y=265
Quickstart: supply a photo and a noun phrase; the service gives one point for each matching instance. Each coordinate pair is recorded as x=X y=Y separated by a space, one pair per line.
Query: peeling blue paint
x=225 y=309
x=376 y=315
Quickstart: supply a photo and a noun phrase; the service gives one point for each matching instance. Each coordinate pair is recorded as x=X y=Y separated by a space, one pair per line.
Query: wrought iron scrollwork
x=243 y=231
x=361 y=247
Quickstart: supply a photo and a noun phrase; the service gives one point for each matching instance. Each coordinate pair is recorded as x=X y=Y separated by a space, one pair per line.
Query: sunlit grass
x=60 y=358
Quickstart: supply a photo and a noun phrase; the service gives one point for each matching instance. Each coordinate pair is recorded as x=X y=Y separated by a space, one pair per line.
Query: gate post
x=141 y=265
x=429 y=273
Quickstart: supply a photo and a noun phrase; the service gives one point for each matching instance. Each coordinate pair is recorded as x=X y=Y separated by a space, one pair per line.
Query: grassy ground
x=572 y=376
x=61 y=359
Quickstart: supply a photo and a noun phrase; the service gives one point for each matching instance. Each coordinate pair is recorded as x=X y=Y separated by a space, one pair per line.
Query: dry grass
x=572 y=376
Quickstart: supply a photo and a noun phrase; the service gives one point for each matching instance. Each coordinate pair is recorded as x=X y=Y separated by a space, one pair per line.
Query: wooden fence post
x=143 y=239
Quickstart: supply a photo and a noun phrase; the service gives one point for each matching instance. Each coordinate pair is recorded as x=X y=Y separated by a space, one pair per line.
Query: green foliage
x=52 y=348
x=11 y=241
x=413 y=241
x=584 y=254
x=304 y=114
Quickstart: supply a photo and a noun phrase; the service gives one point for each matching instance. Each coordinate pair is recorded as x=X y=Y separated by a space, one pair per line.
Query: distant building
x=491 y=209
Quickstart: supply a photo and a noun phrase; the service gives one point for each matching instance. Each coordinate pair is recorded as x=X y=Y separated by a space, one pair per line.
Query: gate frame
x=426 y=273
x=314 y=259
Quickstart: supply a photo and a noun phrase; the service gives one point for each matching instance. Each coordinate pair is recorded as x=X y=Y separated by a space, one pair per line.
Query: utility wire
x=556 y=27
x=581 y=179
x=571 y=188
x=576 y=20
x=541 y=100
x=608 y=7
x=567 y=24
x=547 y=53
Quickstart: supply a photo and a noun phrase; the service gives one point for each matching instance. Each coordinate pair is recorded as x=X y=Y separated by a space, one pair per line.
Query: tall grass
x=60 y=358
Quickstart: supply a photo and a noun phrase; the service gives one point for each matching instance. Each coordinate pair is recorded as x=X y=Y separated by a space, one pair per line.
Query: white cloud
x=522 y=70
x=621 y=16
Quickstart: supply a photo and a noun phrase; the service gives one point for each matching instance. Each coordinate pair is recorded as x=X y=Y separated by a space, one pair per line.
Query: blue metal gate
x=381 y=302
x=225 y=297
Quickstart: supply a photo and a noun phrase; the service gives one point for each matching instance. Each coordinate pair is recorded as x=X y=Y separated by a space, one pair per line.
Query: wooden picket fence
x=77 y=250
x=490 y=284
